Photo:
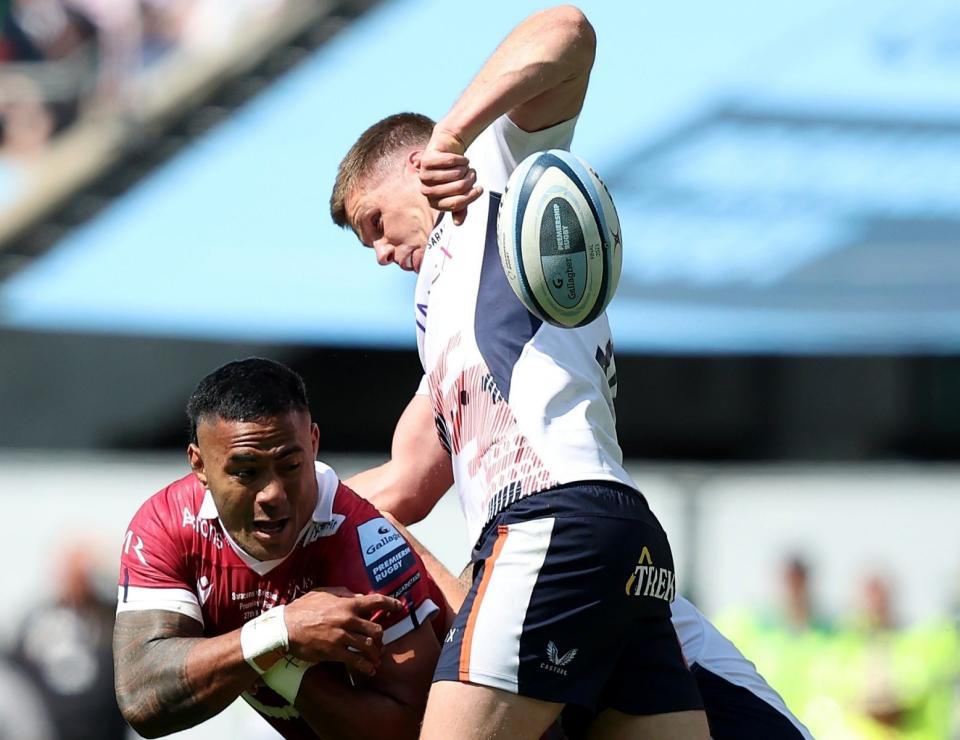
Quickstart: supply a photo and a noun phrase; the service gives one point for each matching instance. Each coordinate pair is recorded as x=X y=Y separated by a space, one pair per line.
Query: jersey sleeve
x=501 y=146
x=152 y=566
x=515 y=144
x=384 y=562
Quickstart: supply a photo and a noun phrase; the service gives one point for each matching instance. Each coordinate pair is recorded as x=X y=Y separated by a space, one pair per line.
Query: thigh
x=471 y=712
x=613 y=725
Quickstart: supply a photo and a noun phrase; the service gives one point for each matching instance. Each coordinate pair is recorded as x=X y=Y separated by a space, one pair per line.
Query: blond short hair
x=383 y=139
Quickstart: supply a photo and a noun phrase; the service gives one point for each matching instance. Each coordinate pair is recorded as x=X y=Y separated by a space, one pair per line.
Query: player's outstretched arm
x=169 y=677
x=538 y=75
x=418 y=473
x=389 y=704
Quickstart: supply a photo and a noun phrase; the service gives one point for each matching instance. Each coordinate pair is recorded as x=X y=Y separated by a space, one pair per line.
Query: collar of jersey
x=327 y=483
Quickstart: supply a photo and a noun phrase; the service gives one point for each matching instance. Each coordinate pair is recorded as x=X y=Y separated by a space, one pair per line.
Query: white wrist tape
x=265 y=634
x=285 y=676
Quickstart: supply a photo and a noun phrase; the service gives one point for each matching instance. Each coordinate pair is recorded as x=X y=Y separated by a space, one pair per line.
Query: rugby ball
x=559 y=238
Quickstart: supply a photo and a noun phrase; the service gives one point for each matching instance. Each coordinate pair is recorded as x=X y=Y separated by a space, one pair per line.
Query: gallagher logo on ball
x=559 y=239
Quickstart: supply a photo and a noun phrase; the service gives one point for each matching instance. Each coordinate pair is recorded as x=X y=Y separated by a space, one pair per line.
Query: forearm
x=418 y=473
x=185 y=681
x=370 y=483
x=387 y=703
x=393 y=490
x=337 y=710
x=171 y=682
x=543 y=53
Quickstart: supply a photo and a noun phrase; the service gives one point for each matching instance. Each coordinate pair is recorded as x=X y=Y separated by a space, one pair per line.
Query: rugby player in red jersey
x=221 y=576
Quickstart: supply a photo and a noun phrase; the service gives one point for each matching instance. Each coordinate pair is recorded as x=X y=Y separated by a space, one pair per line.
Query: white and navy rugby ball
x=559 y=238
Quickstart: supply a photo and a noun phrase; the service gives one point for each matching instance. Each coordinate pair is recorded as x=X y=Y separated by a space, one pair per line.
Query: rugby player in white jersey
x=573 y=576
x=571 y=600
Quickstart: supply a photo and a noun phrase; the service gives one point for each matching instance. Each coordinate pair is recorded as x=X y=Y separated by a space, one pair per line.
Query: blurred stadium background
x=788 y=322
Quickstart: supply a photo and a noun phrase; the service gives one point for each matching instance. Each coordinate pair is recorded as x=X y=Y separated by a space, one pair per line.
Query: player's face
x=390 y=215
x=262 y=478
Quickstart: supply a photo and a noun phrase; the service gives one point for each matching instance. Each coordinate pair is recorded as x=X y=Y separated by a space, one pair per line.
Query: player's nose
x=384 y=252
x=273 y=493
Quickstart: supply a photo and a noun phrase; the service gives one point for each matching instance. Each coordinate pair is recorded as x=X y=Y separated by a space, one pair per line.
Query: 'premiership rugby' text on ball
x=559 y=238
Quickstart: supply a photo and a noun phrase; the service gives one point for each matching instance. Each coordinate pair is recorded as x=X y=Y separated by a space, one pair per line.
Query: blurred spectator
x=201 y=24
x=790 y=641
x=25 y=120
x=60 y=59
x=23 y=714
x=799 y=611
x=866 y=678
x=65 y=647
x=899 y=681
x=52 y=56
x=118 y=26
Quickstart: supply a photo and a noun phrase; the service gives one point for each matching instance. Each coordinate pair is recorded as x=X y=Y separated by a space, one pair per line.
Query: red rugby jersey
x=178 y=557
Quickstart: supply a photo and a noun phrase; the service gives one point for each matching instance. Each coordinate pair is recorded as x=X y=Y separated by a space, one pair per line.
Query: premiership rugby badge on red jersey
x=386 y=553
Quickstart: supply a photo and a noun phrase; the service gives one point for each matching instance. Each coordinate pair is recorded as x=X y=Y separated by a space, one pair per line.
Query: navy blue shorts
x=733 y=713
x=571 y=603
x=736 y=713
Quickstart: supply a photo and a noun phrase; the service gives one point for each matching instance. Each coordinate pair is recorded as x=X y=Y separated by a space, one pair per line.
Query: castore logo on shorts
x=558 y=661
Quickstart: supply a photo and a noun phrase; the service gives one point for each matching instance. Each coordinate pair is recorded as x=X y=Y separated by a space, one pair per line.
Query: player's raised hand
x=325 y=626
x=446 y=177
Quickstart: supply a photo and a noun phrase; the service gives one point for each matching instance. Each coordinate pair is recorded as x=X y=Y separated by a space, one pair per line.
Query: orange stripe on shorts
x=502 y=532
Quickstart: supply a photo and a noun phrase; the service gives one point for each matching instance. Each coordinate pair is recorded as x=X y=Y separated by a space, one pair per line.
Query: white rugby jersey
x=521 y=405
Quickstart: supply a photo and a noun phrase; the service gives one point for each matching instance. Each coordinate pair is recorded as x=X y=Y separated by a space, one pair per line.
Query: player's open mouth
x=412 y=261
x=268 y=529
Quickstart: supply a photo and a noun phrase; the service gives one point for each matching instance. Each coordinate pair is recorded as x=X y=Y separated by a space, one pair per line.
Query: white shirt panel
x=560 y=382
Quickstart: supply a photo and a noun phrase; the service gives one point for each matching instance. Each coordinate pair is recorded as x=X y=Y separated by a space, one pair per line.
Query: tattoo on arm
x=150 y=666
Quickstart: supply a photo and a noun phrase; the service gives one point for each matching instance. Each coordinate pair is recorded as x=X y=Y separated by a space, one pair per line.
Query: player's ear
x=315 y=438
x=413 y=159
x=196 y=462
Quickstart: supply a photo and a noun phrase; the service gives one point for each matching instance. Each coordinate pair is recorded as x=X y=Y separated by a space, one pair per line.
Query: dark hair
x=246 y=390
x=382 y=140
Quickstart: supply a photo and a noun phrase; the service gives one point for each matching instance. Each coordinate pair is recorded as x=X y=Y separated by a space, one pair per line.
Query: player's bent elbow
x=152 y=727
x=410 y=511
x=143 y=725
x=572 y=22
x=572 y=16
x=147 y=722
